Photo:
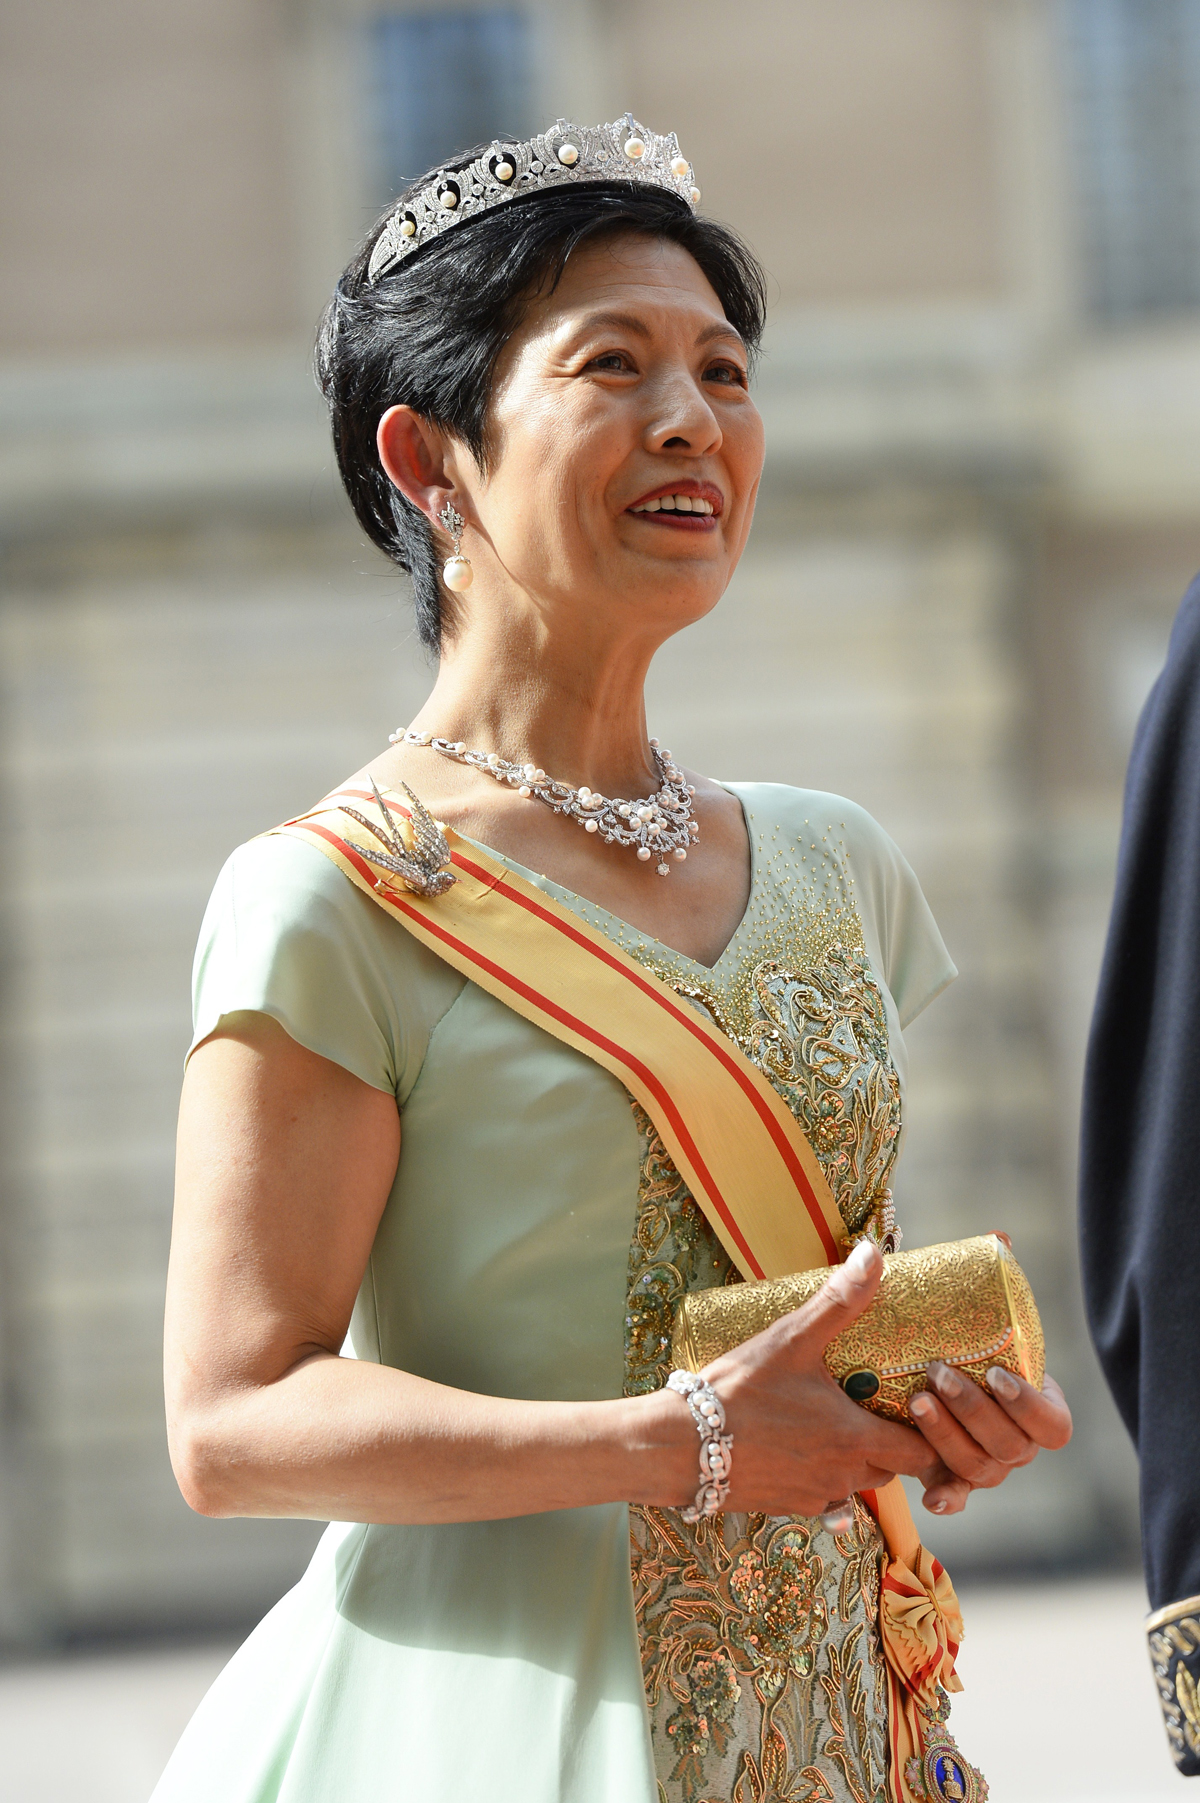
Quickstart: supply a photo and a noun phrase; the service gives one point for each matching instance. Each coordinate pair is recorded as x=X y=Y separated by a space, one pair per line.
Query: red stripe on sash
x=572 y=1021
x=683 y=1016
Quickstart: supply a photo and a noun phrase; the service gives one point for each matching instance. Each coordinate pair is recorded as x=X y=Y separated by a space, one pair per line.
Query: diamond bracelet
x=716 y=1446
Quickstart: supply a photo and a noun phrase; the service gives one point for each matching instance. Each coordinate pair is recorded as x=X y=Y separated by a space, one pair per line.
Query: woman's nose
x=683 y=419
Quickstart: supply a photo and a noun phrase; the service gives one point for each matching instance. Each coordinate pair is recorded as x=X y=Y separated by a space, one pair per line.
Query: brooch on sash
x=421 y=867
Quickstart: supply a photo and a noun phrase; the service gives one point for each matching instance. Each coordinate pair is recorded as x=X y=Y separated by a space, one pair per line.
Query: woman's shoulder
x=287 y=934
x=816 y=818
x=813 y=829
x=280 y=896
x=300 y=887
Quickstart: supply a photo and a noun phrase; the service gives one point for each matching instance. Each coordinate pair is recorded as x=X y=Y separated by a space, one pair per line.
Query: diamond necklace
x=660 y=825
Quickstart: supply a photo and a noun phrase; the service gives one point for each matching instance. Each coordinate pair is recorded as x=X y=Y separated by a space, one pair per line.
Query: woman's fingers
x=897 y=1449
x=1010 y=1422
x=848 y=1290
x=949 y=1497
x=959 y=1450
x=981 y=1438
x=992 y=1427
x=1041 y=1414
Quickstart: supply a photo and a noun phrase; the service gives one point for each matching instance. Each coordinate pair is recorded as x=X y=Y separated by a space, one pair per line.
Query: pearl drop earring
x=457 y=573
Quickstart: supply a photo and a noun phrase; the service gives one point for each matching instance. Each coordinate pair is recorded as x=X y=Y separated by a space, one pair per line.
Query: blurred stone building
x=982 y=394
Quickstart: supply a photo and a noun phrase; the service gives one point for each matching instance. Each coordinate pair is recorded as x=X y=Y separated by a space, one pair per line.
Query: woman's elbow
x=205 y=1468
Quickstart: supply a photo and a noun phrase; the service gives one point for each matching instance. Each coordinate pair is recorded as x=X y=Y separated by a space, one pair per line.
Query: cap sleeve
x=288 y=935
x=911 y=951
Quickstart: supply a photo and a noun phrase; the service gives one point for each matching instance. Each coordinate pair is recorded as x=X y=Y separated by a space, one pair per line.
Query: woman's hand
x=799 y=1442
x=981 y=1438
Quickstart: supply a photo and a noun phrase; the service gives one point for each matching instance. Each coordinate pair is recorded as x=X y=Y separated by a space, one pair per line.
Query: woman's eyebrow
x=621 y=322
x=629 y=322
x=721 y=328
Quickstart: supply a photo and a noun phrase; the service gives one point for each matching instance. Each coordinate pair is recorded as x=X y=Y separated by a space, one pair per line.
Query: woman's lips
x=693 y=506
x=679 y=522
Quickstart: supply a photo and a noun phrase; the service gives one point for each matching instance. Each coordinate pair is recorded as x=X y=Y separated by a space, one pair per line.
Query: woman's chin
x=678 y=561
x=680 y=596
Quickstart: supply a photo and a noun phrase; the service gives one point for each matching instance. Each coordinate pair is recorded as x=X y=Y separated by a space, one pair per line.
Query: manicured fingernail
x=921 y=1406
x=944 y=1380
x=860 y=1265
x=1004 y=1383
x=939 y=1508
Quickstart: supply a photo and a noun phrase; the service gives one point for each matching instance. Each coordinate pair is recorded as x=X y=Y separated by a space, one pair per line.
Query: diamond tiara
x=562 y=155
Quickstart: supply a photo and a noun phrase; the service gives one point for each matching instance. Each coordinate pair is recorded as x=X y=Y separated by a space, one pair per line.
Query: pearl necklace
x=661 y=824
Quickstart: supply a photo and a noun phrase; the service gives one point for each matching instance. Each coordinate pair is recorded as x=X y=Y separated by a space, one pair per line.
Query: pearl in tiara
x=562 y=156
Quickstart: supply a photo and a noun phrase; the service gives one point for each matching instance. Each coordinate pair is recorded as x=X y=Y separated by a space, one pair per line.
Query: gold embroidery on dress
x=760 y=1654
x=761 y=1659
x=674 y=1250
x=804 y=1004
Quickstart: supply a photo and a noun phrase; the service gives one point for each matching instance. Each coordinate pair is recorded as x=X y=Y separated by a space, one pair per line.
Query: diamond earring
x=457 y=573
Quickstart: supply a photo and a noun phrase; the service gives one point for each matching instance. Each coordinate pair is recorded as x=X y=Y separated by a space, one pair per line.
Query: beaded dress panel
x=760 y=1649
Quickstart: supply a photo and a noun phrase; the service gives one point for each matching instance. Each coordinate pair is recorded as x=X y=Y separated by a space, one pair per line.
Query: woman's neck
x=576 y=710
x=580 y=716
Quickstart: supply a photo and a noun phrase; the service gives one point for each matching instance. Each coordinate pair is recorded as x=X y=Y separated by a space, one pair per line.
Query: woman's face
x=625 y=450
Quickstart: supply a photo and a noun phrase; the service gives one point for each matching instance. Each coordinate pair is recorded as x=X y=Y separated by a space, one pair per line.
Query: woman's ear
x=413 y=455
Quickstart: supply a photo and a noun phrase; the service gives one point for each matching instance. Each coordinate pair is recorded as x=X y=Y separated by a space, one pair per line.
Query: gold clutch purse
x=967 y=1303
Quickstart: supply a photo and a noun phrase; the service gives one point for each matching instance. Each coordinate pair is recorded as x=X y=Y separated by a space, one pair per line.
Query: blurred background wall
x=982 y=223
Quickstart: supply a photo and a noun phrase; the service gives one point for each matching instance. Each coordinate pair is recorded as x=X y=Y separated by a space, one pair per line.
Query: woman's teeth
x=674 y=504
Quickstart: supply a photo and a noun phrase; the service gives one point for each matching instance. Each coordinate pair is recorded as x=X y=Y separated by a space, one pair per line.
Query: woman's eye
x=610 y=360
x=729 y=373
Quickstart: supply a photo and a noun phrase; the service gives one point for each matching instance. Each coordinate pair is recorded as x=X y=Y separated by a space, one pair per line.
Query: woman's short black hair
x=429 y=335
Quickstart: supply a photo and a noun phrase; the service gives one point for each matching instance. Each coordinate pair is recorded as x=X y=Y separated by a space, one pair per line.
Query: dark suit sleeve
x=1140 y=1155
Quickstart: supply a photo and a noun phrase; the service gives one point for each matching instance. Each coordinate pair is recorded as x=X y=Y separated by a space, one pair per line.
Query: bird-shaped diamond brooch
x=423 y=868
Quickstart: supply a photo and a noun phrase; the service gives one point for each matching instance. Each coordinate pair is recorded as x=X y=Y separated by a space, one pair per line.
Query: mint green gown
x=535 y=1244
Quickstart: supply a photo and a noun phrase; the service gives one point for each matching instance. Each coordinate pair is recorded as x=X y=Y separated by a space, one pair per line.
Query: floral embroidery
x=674 y=1250
x=804 y=1004
x=760 y=1648
x=822 y=1039
x=701 y=1724
x=781 y=1619
x=760 y=1658
x=760 y=1653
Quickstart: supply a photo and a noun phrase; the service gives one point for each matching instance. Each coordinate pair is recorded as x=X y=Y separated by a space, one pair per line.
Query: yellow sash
x=737 y=1145
x=773 y=1212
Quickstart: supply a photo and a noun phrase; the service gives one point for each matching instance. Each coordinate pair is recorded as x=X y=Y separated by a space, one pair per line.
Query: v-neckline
x=601 y=916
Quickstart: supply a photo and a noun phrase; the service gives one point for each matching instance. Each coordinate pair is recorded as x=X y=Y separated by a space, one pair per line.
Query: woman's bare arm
x=285 y=1164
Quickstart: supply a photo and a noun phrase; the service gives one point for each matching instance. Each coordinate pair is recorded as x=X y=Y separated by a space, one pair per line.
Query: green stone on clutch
x=860 y=1386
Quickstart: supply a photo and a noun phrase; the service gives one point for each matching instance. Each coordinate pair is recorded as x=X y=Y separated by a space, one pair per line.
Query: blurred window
x=445 y=81
x=1133 y=67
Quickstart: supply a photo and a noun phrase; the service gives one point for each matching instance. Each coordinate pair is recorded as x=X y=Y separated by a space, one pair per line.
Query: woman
x=541 y=360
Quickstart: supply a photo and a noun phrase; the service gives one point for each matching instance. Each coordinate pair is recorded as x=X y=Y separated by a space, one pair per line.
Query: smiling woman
x=470 y=1084
x=437 y=334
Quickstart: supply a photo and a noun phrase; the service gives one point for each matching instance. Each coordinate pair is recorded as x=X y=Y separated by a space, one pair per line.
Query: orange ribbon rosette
x=921 y=1626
